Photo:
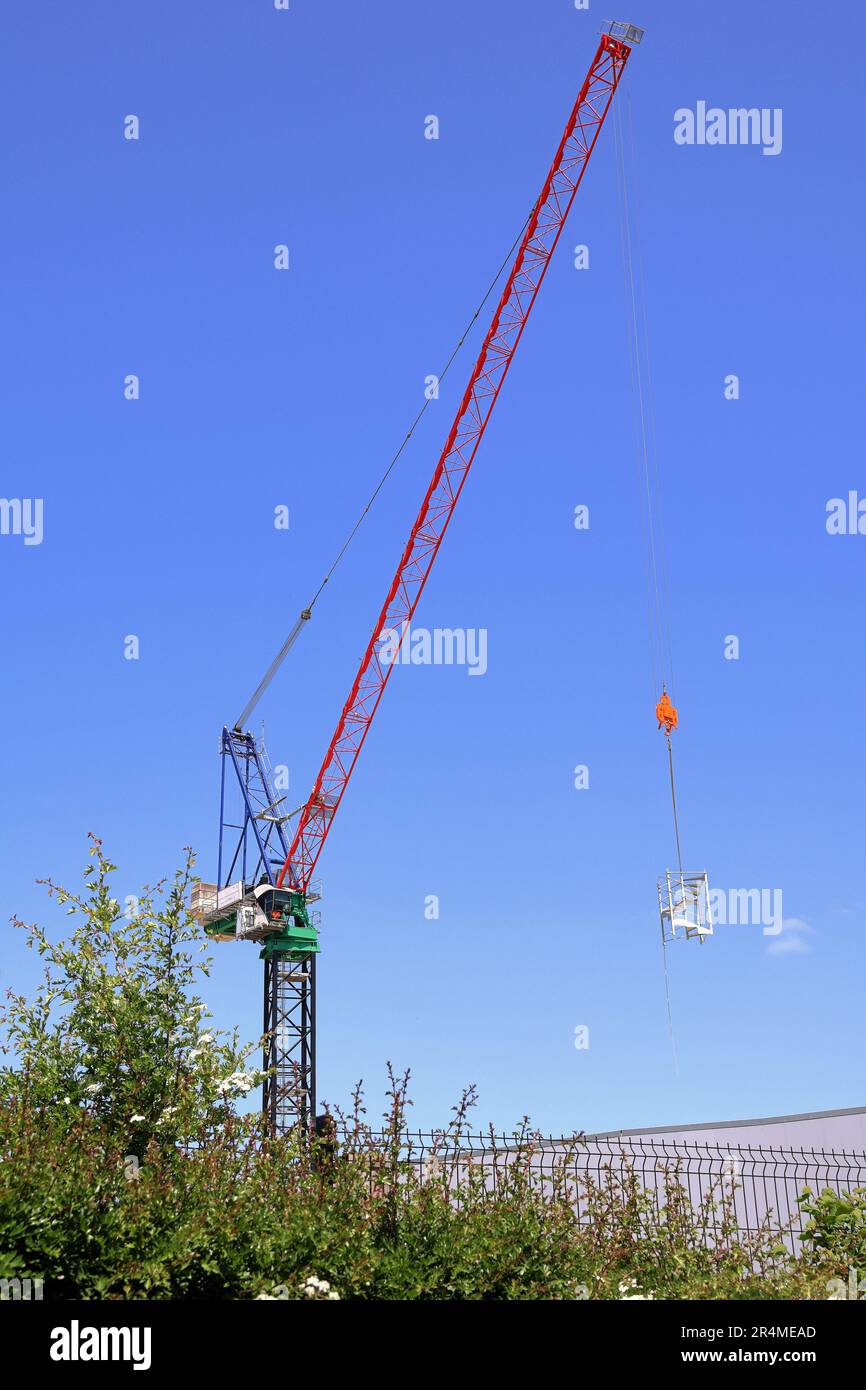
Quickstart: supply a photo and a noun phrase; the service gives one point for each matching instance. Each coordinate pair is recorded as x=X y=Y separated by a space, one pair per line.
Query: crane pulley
x=666 y=713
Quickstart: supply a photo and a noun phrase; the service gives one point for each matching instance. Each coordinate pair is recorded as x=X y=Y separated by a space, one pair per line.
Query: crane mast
x=276 y=905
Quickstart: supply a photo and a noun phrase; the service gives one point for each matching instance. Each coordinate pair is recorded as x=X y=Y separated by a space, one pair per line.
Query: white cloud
x=793 y=940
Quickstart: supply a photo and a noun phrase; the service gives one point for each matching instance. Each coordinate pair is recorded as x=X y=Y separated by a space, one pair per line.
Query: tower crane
x=265 y=883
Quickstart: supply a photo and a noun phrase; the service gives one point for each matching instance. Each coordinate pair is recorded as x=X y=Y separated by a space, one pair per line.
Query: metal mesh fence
x=754 y=1187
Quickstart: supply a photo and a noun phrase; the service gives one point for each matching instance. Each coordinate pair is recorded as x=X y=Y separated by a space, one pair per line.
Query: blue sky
x=261 y=388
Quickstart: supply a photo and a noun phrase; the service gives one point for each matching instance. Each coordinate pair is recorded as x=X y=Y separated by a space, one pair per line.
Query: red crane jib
x=530 y=264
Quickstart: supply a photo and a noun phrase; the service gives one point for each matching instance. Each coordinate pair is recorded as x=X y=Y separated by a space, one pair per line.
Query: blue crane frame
x=289 y=1007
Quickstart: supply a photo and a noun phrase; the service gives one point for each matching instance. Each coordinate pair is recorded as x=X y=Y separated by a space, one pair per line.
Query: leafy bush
x=835 y=1234
x=126 y=1171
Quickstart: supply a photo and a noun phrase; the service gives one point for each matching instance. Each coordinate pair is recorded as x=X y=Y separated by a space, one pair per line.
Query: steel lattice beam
x=533 y=257
x=252 y=847
x=289 y=1089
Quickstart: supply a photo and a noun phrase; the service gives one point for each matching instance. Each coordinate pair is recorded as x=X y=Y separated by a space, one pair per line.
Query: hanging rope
x=671 y=1036
x=649 y=480
x=666 y=636
x=674 y=803
x=307 y=613
x=639 y=411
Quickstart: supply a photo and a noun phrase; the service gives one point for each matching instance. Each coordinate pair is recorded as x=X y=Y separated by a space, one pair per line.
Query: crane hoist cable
x=649 y=472
x=658 y=508
x=668 y=718
x=307 y=613
x=649 y=478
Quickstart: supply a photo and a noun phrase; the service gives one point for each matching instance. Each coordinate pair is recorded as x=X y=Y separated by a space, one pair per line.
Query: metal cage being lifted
x=685 y=909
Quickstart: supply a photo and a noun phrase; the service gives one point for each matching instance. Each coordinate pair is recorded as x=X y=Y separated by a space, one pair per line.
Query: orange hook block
x=666 y=713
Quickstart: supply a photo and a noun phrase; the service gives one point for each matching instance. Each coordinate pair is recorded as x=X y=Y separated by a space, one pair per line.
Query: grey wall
x=843 y=1130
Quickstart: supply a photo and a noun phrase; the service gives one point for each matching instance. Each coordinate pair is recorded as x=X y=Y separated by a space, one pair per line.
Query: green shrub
x=126 y=1171
x=835 y=1234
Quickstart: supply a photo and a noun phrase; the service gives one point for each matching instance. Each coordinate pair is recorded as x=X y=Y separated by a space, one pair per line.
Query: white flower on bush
x=626 y=1295
x=93 y=1088
x=167 y=1114
x=206 y=1038
x=318 y=1288
x=238 y=1083
x=136 y=1119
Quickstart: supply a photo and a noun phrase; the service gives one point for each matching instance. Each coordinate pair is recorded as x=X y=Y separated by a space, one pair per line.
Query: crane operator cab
x=278 y=918
x=284 y=921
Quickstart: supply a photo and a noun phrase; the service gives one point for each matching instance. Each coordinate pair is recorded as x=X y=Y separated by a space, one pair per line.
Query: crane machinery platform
x=265 y=882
